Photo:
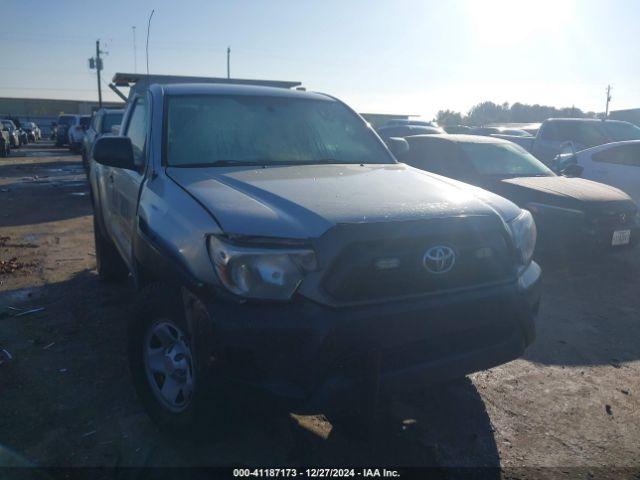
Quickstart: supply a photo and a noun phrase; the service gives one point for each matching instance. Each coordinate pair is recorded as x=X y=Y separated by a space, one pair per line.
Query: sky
x=403 y=56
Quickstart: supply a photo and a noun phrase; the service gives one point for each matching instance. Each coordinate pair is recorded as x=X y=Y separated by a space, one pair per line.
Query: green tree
x=449 y=117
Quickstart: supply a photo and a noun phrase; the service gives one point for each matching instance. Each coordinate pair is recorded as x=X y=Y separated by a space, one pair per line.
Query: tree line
x=488 y=112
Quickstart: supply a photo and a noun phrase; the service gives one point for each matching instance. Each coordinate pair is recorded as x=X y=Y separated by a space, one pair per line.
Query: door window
x=620 y=155
x=137 y=131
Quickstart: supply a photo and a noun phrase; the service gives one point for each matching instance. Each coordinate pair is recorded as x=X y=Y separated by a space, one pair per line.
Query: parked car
x=582 y=133
x=53 y=131
x=405 y=130
x=570 y=213
x=616 y=164
x=102 y=124
x=486 y=131
x=32 y=131
x=456 y=129
x=64 y=123
x=77 y=131
x=14 y=133
x=5 y=141
x=276 y=242
x=408 y=121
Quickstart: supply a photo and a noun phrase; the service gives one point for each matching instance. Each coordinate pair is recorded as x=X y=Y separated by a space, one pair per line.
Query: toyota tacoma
x=275 y=242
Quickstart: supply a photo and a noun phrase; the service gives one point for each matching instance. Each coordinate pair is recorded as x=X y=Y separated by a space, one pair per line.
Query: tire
x=111 y=267
x=159 y=323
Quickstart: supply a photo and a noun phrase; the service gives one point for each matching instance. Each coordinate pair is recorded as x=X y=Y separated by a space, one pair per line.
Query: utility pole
x=96 y=62
x=228 y=62
x=135 y=51
x=98 y=68
x=606 y=112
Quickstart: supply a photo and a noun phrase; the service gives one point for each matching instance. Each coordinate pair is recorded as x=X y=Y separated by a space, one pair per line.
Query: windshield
x=620 y=131
x=65 y=120
x=210 y=130
x=504 y=160
x=109 y=120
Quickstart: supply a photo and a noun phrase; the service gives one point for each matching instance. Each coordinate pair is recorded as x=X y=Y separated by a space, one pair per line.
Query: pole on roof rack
x=147 y=47
x=228 y=62
x=117 y=92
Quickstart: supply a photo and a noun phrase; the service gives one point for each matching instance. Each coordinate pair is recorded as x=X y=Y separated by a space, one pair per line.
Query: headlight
x=256 y=272
x=523 y=231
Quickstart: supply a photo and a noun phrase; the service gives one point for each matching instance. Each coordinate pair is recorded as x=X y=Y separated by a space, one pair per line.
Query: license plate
x=621 y=237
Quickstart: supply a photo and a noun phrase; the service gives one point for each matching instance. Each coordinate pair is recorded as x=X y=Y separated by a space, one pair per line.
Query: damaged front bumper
x=308 y=353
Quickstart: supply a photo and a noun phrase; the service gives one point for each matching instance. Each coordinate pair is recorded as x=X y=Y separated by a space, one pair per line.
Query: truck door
x=126 y=183
x=548 y=142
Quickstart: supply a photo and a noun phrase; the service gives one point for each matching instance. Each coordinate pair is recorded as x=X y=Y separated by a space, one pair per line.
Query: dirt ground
x=66 y=397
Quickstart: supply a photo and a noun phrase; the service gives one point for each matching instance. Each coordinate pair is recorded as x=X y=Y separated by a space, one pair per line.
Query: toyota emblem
x=439 y=259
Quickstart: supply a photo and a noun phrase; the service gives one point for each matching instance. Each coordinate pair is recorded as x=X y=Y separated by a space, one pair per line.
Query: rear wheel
x=111 y=267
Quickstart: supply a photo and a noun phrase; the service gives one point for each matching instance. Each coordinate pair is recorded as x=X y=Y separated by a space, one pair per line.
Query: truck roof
x=139 y=81
x=584 y=120
x=227 y=89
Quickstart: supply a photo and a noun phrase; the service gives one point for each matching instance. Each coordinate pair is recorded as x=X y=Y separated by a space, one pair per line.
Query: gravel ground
x=67 y=400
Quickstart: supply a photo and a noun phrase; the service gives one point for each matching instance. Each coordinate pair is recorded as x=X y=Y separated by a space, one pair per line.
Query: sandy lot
x=66 y=398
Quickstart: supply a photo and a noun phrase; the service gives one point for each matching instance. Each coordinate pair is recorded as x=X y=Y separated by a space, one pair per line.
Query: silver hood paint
x=304 y=201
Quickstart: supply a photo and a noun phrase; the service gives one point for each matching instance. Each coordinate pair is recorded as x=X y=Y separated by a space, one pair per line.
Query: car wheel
x=111 y=267
x=170 y=369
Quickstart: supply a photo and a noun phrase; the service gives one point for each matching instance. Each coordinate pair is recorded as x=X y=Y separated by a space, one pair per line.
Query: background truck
x=581 y=133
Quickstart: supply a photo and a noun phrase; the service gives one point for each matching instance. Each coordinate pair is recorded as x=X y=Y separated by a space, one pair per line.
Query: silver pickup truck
x=275 y=242
x=580 y=133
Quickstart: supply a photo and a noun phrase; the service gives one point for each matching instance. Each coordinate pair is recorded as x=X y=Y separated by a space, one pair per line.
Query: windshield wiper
x=217 y=163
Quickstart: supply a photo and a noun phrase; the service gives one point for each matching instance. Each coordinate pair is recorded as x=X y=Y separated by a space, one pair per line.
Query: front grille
x=615 y=219
x=393 y=267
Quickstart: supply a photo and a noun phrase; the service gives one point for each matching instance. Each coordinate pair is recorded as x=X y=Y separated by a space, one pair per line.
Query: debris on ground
x=607 y=408
x=624 y=391
x=13 y=265
x=47 y=347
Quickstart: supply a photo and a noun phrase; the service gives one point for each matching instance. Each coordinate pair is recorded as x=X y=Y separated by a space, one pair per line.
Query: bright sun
x=516 y=21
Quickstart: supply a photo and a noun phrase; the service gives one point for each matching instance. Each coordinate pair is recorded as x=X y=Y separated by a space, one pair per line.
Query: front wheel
x=169 y=365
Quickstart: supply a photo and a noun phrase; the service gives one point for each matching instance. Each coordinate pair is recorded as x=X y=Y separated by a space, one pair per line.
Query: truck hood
x=305 y=201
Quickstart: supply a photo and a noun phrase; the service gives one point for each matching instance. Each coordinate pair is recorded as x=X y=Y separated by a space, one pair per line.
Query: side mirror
x=114 y=152
x=115 y=130
x=572 y=170
x=567 y=148
x=398 y=146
